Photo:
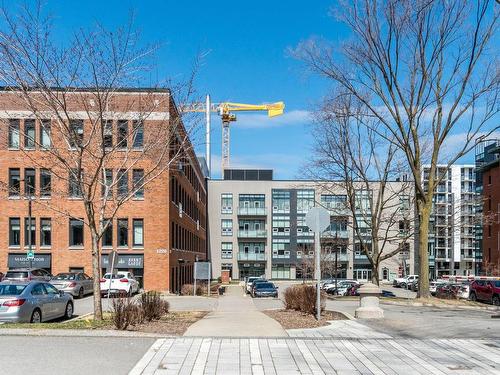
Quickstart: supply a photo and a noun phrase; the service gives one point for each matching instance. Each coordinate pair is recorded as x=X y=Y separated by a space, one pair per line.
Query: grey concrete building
x=257 y=227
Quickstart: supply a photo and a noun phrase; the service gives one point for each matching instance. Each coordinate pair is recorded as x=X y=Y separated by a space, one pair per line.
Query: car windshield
x=16 y=275
x=264 y=285
x=64 y=276
x=11 y=290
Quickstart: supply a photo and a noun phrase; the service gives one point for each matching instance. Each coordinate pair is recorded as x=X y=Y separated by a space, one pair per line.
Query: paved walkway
x=236 y=316
x=339 y=329
x=319 y=356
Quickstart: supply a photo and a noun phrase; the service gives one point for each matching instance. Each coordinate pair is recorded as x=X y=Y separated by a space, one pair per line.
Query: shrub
x=303 y=298
x=153 y=306
x=187 y=290
x=126 y=313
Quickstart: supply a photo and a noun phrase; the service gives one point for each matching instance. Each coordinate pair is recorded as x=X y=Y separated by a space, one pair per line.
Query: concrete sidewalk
x=236 y=316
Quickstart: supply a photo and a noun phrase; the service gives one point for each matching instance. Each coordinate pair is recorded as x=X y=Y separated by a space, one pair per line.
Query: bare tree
x=350 y=157
x=103 y=147
x=426 y=71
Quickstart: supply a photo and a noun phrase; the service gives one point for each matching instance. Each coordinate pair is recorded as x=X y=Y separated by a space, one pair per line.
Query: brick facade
x=160 y=252
x=491 y=226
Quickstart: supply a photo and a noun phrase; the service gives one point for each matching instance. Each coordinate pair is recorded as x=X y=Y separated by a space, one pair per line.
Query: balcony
x=262 y=233
x=252 y=211
x=335 y=234
x=251 y=256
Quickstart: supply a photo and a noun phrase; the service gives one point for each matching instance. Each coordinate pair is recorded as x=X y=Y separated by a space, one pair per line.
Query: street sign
x=318 y=219
x=30 y=255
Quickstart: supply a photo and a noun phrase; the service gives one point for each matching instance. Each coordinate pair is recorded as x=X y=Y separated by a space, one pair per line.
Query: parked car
x=342 y=287
x=27 y=274
x=120 y=283
x=486 y=291
x=403 y=281
x=325 y=283
x=33 y=302
x=433 y=285
x=464 y=291
x=413 y=286
x=353 y=290
x=448 y=291
x=249 y=282
x=78 y=284
x=265 y=289
x=256 y=282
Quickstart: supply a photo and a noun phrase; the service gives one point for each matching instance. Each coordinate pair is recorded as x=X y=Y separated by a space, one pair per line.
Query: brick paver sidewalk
x=319 y=356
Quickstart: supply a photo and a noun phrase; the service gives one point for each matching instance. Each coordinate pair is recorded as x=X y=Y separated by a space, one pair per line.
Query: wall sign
x=21 y=261
x=124 y=261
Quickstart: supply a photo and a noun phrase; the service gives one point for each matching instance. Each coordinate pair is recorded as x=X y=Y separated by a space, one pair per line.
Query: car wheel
x=68 y=314
x=496 y=300
x=36 y=316
x=473 y=296
x=80 y=293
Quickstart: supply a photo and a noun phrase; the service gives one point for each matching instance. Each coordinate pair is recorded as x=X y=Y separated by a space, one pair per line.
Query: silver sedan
x=33 y=302
x=78 y=284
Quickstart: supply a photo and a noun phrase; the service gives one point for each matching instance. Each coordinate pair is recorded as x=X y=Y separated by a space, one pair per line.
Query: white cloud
x=261 y=120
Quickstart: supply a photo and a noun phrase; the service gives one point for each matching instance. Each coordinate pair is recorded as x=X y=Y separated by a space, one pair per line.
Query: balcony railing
x=252 y=233
x=252 y=256
x=252 y=211
x=334 y=234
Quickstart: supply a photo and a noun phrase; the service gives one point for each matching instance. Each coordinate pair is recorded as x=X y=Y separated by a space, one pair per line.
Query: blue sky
x=247 y=62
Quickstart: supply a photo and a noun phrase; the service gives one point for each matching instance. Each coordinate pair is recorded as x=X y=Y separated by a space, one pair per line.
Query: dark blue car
x=265 y=289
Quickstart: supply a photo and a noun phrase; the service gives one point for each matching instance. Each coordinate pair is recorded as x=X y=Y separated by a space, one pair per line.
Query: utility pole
x=29 y=231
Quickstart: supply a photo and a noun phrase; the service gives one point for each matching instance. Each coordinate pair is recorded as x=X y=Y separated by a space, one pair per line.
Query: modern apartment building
x=158 y=233
x=488 y=186
x=257 y=227
x=453 y=222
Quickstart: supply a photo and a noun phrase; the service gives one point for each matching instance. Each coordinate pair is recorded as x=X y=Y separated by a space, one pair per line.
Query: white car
x=342 y=286
x=119 y=283
x=404 y=281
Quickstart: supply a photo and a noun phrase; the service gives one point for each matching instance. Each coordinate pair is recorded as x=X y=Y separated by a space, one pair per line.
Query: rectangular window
x=123 y=232
x=74 y=184
x=305 y=200
x=108 y=134
x=281 y=201
x=138 y=183
x=138 y=234
x=45 y=141
x=45 y=232
x=29 y=182
x=227 y=227
x=75 y=232
x=29 y=134
x=27 y=231
x=122 y=183
x=138 y=140
x=122 y=138
x=14 y=133
x=14 y=182
x=76 y=133
x=14 y=231
x=107 y=187
x=45 y=183
x=107 y=238
x=226 y=250
x=227 y=203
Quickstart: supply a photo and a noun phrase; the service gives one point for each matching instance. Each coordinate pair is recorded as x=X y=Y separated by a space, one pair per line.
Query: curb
x=79 y=333
x=422 y=304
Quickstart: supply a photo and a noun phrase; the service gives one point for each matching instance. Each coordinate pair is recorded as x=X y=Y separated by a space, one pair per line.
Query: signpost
x=317 y=219
x=201 y=272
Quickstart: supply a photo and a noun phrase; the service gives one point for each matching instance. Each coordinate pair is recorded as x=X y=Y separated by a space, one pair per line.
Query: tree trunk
x=423 y=239
x=96 y=276
x=375 y=278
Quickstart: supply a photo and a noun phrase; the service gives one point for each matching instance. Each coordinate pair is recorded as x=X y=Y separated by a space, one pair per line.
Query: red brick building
x=158 y=233
x=491 y=208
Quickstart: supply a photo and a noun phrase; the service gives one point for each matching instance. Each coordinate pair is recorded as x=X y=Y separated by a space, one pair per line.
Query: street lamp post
x=29 y=230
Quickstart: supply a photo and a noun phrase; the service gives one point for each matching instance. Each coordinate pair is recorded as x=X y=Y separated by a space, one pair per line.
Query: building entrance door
x=363 y=274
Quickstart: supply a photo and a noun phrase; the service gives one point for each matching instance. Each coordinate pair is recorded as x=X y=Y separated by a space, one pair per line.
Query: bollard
x=369 y=302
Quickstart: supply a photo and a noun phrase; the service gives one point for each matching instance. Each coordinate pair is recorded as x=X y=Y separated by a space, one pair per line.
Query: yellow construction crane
x=225 y=110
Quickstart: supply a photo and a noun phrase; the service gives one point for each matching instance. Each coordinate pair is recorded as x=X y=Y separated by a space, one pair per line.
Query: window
x=14 y=231
x=75 y=190
x=45 y=141
x=122 y=183
x=226 y=250
x=404 y=202
x=75 y=232
x=305 y=200
x=226 y=203
x=107 y=186
x=138 y=128
x=29 y=134
x=14 y=182
x=123 y=232
x=28 y=232
x=76 y=133
x=45 y=232
x=227 y=227
x=489 y=179
x=280 y=272
x=29 y=182
x=14 y=133
x=108 y=134
x=107 y=237
x=138 y=233
x=122 y=137
x=363 y=200
x=281 y=201
x=45 y=183
x=334 y=202
x=138 y=181
x=38 y=290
